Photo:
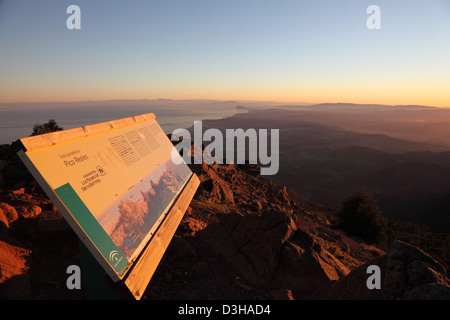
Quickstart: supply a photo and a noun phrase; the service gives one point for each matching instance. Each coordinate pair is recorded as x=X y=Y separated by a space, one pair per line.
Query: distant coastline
x=17 y=119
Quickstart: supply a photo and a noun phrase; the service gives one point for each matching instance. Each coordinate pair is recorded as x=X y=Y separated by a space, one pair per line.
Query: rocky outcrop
x=272 y=252
x=243 y=237
x=15 y=262
x=265 y=236
x=8 y=214
x=407 y=273
x=215 y=187
x=36 y=247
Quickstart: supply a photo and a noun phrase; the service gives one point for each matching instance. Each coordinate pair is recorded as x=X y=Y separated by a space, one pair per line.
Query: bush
x=50 y=126
x=360 y=216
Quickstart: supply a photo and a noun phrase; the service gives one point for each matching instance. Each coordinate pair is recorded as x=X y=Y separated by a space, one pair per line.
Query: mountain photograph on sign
x=130 y=221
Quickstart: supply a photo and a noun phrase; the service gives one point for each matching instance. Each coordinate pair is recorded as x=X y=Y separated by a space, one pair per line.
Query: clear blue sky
x=284 y=50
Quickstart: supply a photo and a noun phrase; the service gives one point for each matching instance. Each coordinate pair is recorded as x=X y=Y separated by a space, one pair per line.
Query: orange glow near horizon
x=345 y=93
x=282 y=87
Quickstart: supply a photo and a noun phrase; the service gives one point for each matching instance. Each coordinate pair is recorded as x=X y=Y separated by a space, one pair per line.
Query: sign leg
x=94 y=282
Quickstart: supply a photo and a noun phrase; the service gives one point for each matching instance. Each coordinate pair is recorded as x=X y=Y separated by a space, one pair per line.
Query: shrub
x=360 y=216
x=50 y=126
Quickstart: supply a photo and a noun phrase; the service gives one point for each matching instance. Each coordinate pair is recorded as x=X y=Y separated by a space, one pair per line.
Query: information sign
x=114 y=182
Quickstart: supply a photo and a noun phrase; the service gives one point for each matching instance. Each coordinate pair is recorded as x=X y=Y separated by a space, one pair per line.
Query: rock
x=216 y=189
x=19 y=194
x=420 y=272
x=345 y=247
x=237 y=224
x=406 y=272
x=304 y=268
x=425 y=277
x=8 y=214
x=408 y=253
x=257 y=205
x=193 y=225
x=283 y=196
x=270 y=251
x=34 y=211
x=14 y=266
x=252 y=242
x=31 y=212
x=18 y=191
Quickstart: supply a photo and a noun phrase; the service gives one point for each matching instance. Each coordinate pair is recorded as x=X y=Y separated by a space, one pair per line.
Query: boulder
x=305 y=265
x=214 y=188
x=193 y=225
x=14 y=266
x=407 y=273
x=8 y=214
x=270 y=251
x=31 y=211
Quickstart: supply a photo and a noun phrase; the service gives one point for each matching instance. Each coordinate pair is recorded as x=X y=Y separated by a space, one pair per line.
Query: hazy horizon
x=427 y=124
x=245 y=103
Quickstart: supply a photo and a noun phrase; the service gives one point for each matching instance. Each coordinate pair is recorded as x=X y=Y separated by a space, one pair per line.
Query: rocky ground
x=242 y=237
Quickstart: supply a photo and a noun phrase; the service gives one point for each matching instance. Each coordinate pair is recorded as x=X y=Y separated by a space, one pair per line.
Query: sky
x=268 y=50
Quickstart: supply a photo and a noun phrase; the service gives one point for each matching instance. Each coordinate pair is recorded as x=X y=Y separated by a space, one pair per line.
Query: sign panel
x=114 y=183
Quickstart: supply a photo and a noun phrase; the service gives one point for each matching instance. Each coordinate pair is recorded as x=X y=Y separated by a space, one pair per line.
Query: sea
x=17 y=119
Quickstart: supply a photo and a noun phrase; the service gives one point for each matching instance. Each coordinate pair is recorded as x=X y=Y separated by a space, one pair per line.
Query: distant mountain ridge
x=325 y=163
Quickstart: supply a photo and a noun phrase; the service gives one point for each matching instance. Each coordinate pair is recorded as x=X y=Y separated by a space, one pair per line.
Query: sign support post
x=95 y=285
